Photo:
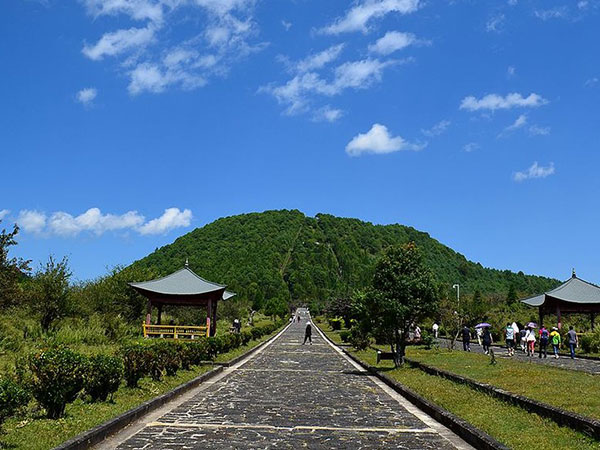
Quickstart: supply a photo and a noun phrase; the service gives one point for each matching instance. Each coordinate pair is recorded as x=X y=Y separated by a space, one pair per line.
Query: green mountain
x=285 y=254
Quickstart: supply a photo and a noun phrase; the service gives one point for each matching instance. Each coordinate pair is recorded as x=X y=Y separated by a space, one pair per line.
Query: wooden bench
x=384 y=356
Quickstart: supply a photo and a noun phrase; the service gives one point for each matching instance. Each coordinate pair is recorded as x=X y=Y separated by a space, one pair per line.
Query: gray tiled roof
x=182 y=282
x=574 y=290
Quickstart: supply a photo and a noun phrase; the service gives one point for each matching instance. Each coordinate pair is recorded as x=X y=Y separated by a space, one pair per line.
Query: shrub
x=186 y=355
x=12 y=398
x=212 y=344
x=335 y=324
x=168 y=355
x=246 y=336
x=103 y=377
x=345 y=335
x=57 y=376
x=157 y=361
x=136 y=362
x=199 y=350
x=358 y=338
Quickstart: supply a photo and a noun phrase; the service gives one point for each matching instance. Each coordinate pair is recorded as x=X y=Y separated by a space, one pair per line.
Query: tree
x=11 y=269
x=50 y=296
x=276 y=306
x=512 y=295
x=403 y=293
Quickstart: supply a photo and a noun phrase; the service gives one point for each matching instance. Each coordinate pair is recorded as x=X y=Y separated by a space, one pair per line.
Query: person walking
x=544 y=336
x=486 y=339
x=417 y=334
x=555 y=339
x=530 y=341
x=308 y=334
x=435 y=329
x=523 y=339
x=466 y=338
x=479 y=333
x=573 y=341
x=509 y=334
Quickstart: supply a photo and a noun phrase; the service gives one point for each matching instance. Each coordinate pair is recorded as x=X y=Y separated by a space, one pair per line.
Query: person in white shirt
x=530 y=339
x=435 y=329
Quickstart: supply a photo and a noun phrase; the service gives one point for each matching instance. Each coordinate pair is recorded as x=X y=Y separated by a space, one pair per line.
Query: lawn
x=508 y=424
x=568 y=389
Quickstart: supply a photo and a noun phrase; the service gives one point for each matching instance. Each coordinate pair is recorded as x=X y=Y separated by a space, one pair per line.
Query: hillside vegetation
x=299 y=259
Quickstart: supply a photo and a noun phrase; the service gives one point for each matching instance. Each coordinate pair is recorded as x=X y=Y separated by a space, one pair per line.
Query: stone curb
x=586 y=425
x=100 y=432
x=462 y=428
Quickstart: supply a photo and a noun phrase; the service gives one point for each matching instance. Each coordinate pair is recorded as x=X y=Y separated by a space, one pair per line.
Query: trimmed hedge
x=12 y=398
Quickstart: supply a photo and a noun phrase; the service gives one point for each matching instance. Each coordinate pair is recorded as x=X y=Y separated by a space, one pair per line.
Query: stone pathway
x=563 y=362
x=288 y=396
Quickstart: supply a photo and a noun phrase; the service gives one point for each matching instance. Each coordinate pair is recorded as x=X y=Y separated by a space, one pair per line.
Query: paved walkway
x=292 y=396
x=564 y=362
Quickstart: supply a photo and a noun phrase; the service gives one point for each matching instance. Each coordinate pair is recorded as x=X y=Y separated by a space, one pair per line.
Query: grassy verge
x=568 y=389
x=32 y=431
x=508 y=424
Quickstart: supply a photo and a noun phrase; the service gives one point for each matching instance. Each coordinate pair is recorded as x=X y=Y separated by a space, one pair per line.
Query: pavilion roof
x=575 y=290
x=183 y=282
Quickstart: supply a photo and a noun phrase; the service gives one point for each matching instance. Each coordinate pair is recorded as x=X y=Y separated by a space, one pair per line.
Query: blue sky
x=126 y=123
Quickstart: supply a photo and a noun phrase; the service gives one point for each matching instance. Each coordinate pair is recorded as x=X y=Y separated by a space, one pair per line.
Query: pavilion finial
x=573 y=273
x=187 y=263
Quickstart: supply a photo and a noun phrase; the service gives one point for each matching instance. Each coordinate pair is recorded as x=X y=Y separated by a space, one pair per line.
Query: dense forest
x=296 y=259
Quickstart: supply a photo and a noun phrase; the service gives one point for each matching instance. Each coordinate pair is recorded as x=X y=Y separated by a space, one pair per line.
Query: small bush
x=103 y=377
x=199 y=350
x=345 y=335
x=185 y=355
x=246 y=336
x=359 y=339
x=335 y=324
x=12 y=398
x=136 y=362
x=57 y=376
x=168 y=355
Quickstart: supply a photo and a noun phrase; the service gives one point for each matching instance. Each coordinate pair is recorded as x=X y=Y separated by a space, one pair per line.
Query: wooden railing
x=174 y=331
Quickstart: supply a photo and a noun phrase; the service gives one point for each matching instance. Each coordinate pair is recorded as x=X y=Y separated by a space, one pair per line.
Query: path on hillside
x=294 y=396
x=563 y=362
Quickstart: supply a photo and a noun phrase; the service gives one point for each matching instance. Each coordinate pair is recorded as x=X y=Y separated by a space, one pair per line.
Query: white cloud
x=495 y=23
x=119 y=41
x=393 y=41
x=64 y=224
x=172 y=218
x=583 y=4
x=471 y=147
x=296 y=92
x=559 y=12
x=93 y=221
x=511 y=71
x=536 y=130
x=4 y=213
x=87 y=96
x=494 y=101
x=520 y=122
x=590 y=82
x=437 y=129
x=286 y=25
x=365 y=11
x=327 y=114
x=320 y=59
x=31 y=221
x=535 y=171
x=223 y=28
x=378 y=140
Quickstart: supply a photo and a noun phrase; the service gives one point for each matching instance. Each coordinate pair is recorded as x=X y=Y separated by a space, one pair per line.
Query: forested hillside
x=287 y=255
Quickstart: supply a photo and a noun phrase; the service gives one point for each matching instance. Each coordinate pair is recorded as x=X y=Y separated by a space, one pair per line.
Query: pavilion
x=181 y=288
x=574 y=296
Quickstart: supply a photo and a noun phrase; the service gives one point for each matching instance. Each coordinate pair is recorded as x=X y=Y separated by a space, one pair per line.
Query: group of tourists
x=525 y=338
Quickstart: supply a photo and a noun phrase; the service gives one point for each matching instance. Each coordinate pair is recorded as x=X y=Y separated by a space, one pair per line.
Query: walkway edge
x=562 y=417
x=99 y=433
x=462 y=428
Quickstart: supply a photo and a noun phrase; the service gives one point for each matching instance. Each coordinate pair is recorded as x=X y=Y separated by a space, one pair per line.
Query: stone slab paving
x=294 y=396
x=563 y=362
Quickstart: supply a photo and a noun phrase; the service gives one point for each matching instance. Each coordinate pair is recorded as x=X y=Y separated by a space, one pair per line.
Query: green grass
x=32 y=431
x=568 y=389
x=508 y=424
